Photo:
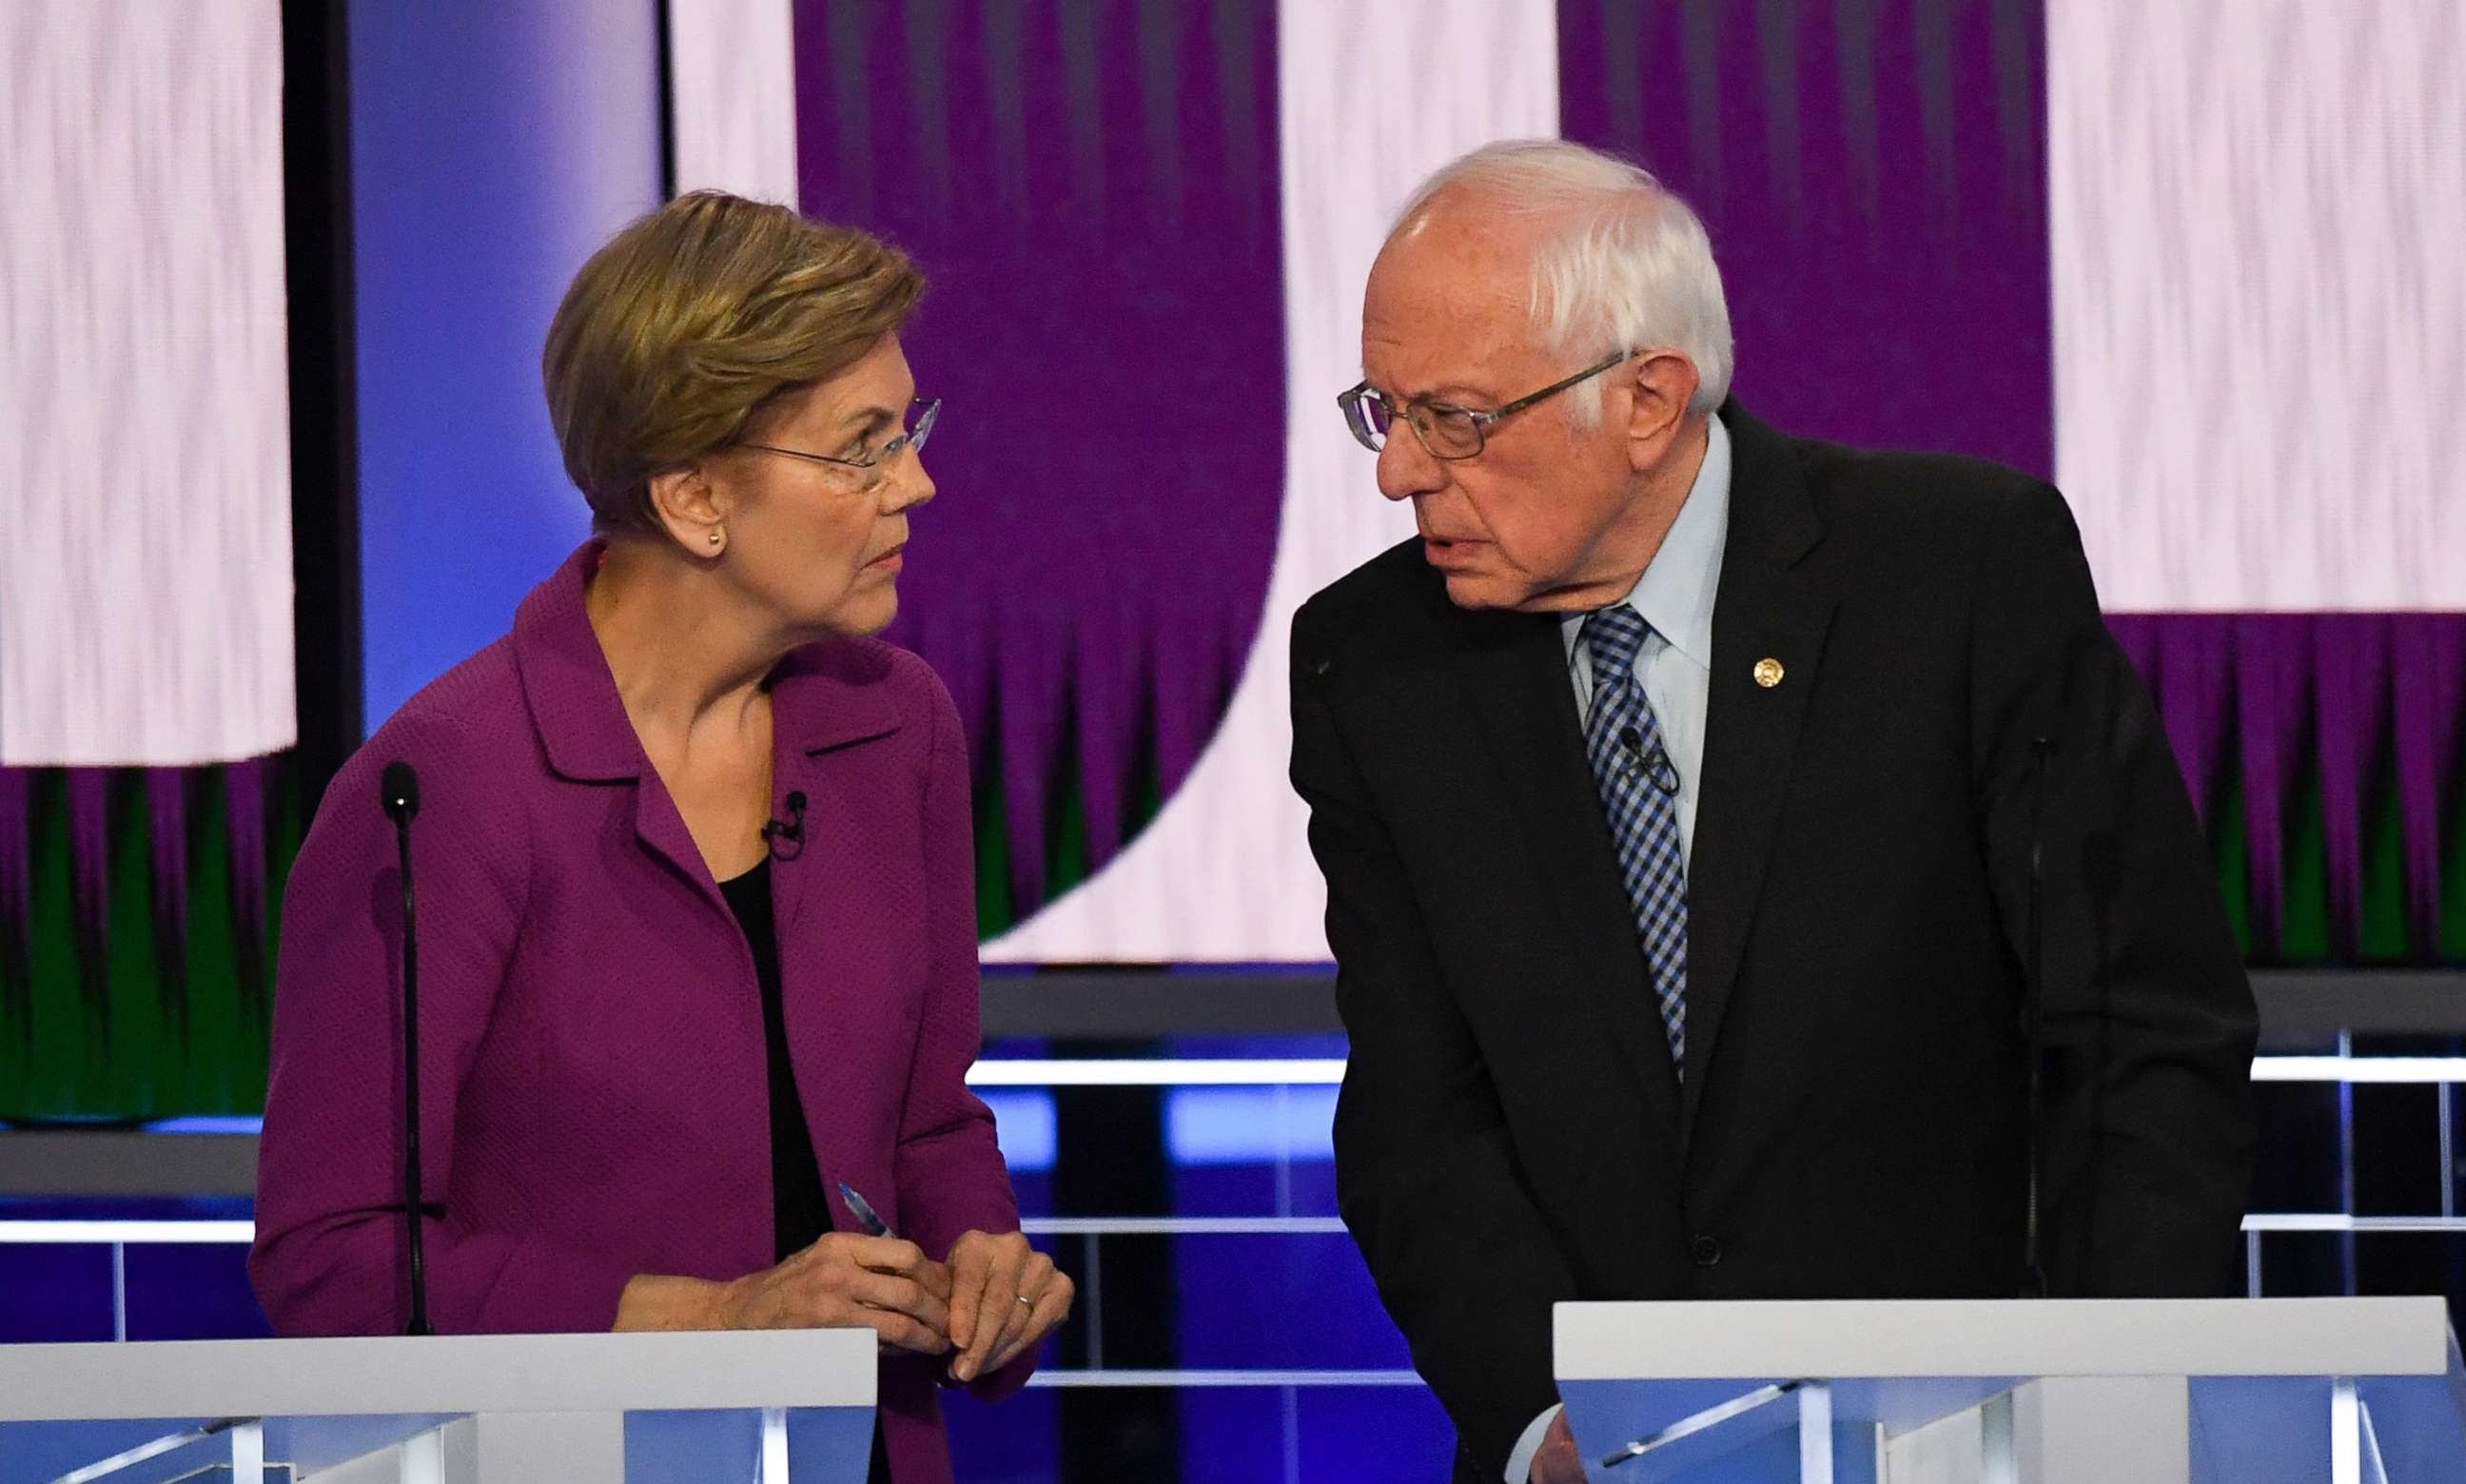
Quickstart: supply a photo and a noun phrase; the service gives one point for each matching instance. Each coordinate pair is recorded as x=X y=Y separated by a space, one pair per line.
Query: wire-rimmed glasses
x=1446 y=432
x=921 y=413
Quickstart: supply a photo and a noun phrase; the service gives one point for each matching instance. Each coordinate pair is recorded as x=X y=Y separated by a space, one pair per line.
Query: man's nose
x=1405 y=468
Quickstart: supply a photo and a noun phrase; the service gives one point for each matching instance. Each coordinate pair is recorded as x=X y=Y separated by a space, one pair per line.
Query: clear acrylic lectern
x=772 y=1408
x=2056 y=1391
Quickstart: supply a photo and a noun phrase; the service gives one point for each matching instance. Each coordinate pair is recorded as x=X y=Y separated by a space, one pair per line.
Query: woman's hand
x=843 y=1281
x=1005 y=1297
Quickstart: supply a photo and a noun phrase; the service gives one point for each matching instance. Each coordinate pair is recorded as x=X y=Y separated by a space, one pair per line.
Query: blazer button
x=1705 y=1250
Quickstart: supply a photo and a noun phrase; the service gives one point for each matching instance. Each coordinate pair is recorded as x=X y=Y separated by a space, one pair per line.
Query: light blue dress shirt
x=1675 y=667
x=1675 y=597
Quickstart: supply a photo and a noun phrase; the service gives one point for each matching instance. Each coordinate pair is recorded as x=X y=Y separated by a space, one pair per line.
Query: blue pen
x=873 y=1223
x=871 y=1220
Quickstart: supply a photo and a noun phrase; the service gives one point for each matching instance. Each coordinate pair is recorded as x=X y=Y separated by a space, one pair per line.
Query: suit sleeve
x=949 y=1168
x=2146 y=1014
x=1425 y=1178
x=330 y=1256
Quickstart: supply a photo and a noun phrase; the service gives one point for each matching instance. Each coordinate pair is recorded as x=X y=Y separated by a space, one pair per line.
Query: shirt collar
x=1675 y=593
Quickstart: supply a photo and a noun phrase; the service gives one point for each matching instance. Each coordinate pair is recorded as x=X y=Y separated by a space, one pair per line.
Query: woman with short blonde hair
x=697 y=923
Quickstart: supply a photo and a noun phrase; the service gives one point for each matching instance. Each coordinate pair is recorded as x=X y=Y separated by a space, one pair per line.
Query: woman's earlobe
x=681 y=499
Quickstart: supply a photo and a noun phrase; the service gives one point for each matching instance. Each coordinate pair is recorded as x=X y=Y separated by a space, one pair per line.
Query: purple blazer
x=592 y=1094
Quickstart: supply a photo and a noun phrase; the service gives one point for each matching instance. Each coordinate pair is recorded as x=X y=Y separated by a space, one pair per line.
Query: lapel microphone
x=1664 y=771
x=787 y=839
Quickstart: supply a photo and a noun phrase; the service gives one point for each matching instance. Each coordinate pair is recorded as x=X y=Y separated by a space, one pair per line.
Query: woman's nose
x=907 y=486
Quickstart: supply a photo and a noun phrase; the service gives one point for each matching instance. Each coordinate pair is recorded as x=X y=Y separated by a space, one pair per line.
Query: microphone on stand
x=2034 y=1268
x=2101 y=866
x=793 y=831
x=398 y=791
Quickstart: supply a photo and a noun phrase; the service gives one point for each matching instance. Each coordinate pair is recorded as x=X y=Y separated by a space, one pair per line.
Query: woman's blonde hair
x=679 y=333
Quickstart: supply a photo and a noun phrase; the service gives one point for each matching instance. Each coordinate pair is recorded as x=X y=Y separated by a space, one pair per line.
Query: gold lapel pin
x=1768 y=672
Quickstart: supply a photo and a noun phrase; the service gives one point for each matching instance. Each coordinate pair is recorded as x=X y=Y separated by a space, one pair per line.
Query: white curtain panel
x=2258 y=212
x=732 y=97
x=145 y=593
x=1375 y=95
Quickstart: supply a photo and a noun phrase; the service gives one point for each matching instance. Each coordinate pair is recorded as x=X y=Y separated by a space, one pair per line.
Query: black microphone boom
x=2033 y=1266
x=399 y=793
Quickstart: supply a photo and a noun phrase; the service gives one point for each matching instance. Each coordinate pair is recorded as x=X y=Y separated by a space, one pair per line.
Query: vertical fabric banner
x=1873 y=178
x=145 y=394
x=1093 y=191
x=2260 y=363
x=1371 y=96
x=145 y=593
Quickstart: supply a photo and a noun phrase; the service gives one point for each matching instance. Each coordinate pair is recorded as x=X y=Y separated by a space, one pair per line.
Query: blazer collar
x=831 y=695
x=1772 y=515
x=824 y=696
x=566 y=679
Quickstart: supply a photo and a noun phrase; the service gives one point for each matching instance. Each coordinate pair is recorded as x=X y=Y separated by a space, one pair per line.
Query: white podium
x=2057 y=1391
x=772 y=1408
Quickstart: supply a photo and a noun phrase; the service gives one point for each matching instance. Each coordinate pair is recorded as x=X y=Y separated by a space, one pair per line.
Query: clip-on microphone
x=793 y=831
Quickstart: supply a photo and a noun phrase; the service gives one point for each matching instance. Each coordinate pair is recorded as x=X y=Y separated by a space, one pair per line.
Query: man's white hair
x=1625 y=266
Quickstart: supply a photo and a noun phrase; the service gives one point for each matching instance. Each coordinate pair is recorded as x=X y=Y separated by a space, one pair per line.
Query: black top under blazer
x=1853 y=1119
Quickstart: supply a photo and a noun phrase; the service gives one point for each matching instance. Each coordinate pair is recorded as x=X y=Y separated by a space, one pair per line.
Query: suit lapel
x=662 y=831
x=1765 y=610
x=1516 y=667
x=824 y=700
x=581 y=721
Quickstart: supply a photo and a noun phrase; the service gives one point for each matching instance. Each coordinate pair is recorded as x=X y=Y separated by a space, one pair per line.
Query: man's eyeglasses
x=1445 y=431
x=921 y=413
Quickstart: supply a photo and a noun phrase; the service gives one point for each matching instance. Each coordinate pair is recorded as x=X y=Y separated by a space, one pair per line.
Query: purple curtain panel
x=1092 y=191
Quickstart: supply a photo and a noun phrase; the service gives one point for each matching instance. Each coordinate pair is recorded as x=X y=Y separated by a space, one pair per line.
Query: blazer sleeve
x=1425 y=1179
x=2146 y=1015
x=948 y=1166
x=330 y=1252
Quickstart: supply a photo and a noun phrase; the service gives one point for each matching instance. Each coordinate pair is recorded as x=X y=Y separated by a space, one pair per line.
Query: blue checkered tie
x=1639 y=789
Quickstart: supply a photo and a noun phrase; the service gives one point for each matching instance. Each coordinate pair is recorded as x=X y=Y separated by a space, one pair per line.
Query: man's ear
x=691 y=508
x=1662 y=383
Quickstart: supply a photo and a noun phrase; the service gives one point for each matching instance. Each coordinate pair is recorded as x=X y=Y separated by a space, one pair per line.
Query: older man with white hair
x=1753 y=871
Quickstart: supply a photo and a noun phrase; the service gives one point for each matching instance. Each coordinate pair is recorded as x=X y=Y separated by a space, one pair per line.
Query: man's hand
x=1004 y=1298
x=1557 y=1461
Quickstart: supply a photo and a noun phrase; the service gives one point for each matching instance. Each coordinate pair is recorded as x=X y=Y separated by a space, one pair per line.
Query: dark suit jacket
x=1853 y=1123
